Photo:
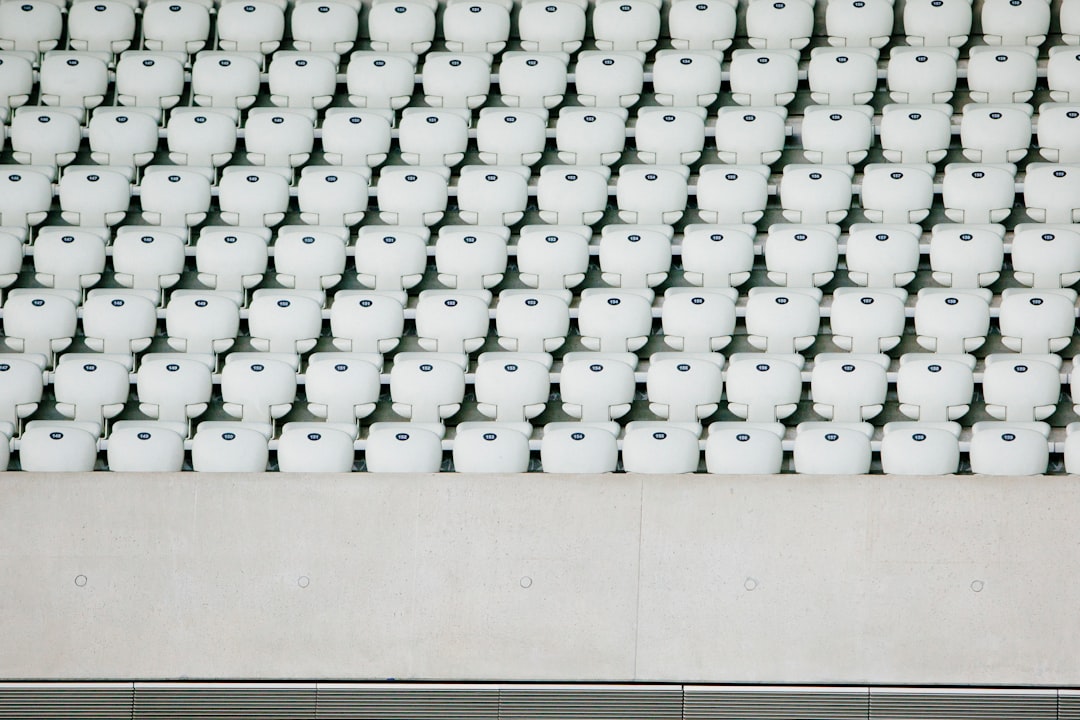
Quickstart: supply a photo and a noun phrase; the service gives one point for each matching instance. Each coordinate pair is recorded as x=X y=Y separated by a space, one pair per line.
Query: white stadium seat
x=278 y=138
x=309 y=258
x=426 y=387
x=302 y=80
x=22 y=381
x=1002 y=74
x=763 y=388
x=482 y=447
x=696 y=25
x=952 y=320
x=1045 y=256
x=250 y=26
x=685 y=79
x=366 y=322
x=341 y=387
x=1058 y=132
x=893 y=193
x=867 y=320
x=551 y=25
x=1061 y=72
x=764 y=77
x=71 y=79
x=1007 y=448
x=45 y=136
x=816 y=193
x=842 y=76
x=175 y=26
x=390 y=258
x=510 y=388
x=154 y=80
x=966 y=256
x=401 y=26
x=750 y=136
x=848 y=388
x=995 y=133
x=614 y=320
x=837 y=135
x=284 y=321
x=90 y=389
x=308 y=448
x=229 y=447
x=412 y=196
x=174 y=388
x=626 y=24
x=652 y=194
x=380 y=79
x=937 y=22
x=572 y=196
x=531 y=321
x=144 y=447
x=31 y=26
x=509 y=137
x=402 y=448
x=58 y=447
x=475 y=26
x=470 y=258
x=684 y=389
x=531 y=80
x=551 y=257
x=859 y=23
x=200 y=138
x=717 y=255
x=920 y=448
x=120 y=137
x=935 y=388
x=230 y=261
x=1037 y=321
x=489 y=195
x=732 y=194
x=915 y=133
x=744 y=448
x=449 y=321
x=174 y=196
x=455 y=80
x=978 y=193
x=119 y=322
x=660 y=448
x=578 y=447
x=433 y=137
x=596 y=389
x=1015 y=22
x=922 y=75
x=1021 y=388
x=224 y=80
x=780 y=24
x=801 y=255
x=832 y=448
x=669 y=136
x=253 y=197
x=256 y=389
x=782 y=320
x=1052 y=192
x=590 y=137
x=333 y=196
x=69 y=258
x=205 y=323
x=698 y=319
x=324 y=26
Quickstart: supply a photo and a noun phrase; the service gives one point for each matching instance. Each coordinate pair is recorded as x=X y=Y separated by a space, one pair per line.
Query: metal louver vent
x=775 y=703
x=981 y=704
x=72 y=701
x=1068 y=705
x=269 y=701
x=407 y=702
x=645 y=702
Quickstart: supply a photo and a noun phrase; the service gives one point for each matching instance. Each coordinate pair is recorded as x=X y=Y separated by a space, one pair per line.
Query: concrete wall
x=787 y=579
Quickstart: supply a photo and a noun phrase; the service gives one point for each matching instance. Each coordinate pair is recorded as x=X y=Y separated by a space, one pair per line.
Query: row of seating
x=231 y=81
x=92 y=196
x=429 y=388
x=994 y=448
x=358 y=140
x=335 y=26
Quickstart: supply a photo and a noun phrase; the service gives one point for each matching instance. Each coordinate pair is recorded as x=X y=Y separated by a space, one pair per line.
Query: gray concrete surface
x=799 y=579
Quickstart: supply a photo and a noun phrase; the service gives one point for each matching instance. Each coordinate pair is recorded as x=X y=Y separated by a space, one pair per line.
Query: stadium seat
x=1002 y=74
x=488 y=195
x=401 y=26
x=842 y=76
x=333 y=196
x=33 y=26
x=278 y=138
x=254 y=197
x=455 y=80
x=935 y=388
x=551 y=25
x=696 y=25
x=341 y=387
x=1052 y=192
x=426 y=387
x=848 y=388
x=90 y=389
x=1007 y=448
x=779 y=25
x=22 y=381
x=764 y=77
x=937 y=23
x=175 y=26
x=284 y=321
x=684 y=388
x=626 y=25
x=669 y=136
x=1021 y=388
x=391 y=259
x=744 y=448
x=251 y=26
x=366 y=322
x=978 y=193
x=782 y=320
x=893 y=193
x=531 y=80
x=596 y=389
x=952 y=320
x=816 y=193
x=355 y=137
x=309 y=448
x=123 y=138
x=763 y=388
x=867 y=320
x=77 y=80
x=412 y=196
x=452 y=321
x=614 y=320
x=231 y=261
x=486 y=447
x=69 y=258
x=1037 y=321
x=717 y=255
x=531 y=321
x=302 y=80
x=1015 y=22
x=511 y=387
x=510 y=137
x=923 y=75
x=909 y=448
x=915 y=133
x=685 y=79
x=119 y=322
x=174 y=388
x=1058 y=132
x=652 y=194
x=832 y=448
x=94 y=197
x=966 y=256
x=590 y=137
x=197 y=322
x=48 y=137
x=578 y=447
x=1045 y=256
x=995 y=133
x=16 y=82
x=229 y=447
x=552 y=257
x=476 y=26
x=728 y=194
x=144 y=447
x=150 y=80
x=257 y=389
x=750 y=136
x=698 y=320
x=402 y=448
x=1072 y=449
x=469 y=258
x=660 y=448
x=380 y=80
x=1061 y=71
x=57 y=446
x=837 y=135
x=224 y=80
x=174 y=196
x=324 y=26
x=1069 y=18
x=572 y=196
x=859 y=23
x=42 y=323
x=308 y=258
x=200 y=137
x=801 y=255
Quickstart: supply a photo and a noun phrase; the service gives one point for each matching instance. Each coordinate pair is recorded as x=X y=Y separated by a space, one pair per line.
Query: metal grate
x=957 y=704
x=628 y=702
x=775 y=703
x=265 y=701
x=407 y=702
x=65 y=701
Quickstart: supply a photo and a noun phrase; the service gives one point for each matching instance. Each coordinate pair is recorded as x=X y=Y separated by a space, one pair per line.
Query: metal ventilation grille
x=1068 y=705
x=70 y=701
x=224 y=700
x=775 y=703
x=591 y=702
x=407 y=702
x=982 y=704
